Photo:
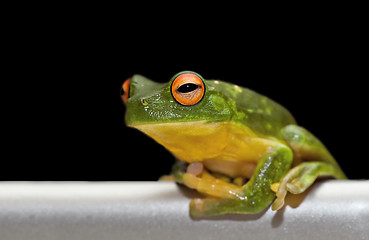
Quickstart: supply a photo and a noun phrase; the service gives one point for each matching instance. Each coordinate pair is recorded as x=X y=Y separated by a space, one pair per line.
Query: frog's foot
x=205 y=183
x=223 y=196
x=292 y=182
x=281 y=192
x=299 y=178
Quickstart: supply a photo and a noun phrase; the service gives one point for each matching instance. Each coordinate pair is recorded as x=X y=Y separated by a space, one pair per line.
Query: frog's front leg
x=255 y=195
x=307 y=147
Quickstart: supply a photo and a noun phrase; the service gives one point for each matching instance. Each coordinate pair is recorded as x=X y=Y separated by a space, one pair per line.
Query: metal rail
x=159 y=210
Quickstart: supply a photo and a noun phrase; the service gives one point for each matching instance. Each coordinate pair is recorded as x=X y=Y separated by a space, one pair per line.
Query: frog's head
x=176 y=111
x=186 y=97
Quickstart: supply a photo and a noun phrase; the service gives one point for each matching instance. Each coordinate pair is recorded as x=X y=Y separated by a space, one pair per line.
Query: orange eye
x=188 y=89
x=125 y=90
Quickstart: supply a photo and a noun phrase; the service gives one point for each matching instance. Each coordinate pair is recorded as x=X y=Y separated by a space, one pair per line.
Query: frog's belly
x=224 y=147
x=239 y=158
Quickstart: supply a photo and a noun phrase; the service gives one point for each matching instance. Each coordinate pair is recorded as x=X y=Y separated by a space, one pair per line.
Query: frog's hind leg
x=252 y=197
x=320 y=163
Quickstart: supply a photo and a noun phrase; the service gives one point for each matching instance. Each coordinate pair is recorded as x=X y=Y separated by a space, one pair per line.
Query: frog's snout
x=125 y=90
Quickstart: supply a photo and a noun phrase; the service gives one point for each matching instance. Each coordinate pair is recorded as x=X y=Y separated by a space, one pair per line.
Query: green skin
x=150 y=102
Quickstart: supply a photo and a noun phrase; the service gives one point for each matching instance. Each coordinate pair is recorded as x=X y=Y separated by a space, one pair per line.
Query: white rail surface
x=332 y=209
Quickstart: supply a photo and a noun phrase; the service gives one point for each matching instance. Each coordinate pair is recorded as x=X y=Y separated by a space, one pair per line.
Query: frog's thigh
x=256 y=193
x=306 y=146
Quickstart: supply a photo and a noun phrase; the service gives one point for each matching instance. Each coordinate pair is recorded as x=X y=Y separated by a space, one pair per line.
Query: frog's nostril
x=124 y=92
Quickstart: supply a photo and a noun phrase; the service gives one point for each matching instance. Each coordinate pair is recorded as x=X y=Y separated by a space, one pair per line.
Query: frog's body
x=228 y=134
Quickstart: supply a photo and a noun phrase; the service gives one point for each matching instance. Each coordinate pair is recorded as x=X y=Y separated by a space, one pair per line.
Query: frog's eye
x=188 y=89
x=124 y=91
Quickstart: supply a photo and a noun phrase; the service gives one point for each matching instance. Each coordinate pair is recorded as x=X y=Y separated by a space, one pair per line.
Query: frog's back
x=261 y=114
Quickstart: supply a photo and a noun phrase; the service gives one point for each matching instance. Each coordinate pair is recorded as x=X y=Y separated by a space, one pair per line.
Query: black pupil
x=188 y=87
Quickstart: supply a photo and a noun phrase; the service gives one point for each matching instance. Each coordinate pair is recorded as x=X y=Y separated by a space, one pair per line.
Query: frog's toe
x=213 y=206
x=280 y=188
x=197 y=207
x=167 y=178
x=275 y=187
x=295 y=188
x=207 y=207
x=278 y=204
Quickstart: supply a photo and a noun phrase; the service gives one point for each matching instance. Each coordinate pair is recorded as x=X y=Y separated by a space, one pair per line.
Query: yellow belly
x=224 y=147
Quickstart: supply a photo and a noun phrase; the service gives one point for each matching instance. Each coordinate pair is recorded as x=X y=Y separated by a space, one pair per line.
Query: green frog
x=240 y=149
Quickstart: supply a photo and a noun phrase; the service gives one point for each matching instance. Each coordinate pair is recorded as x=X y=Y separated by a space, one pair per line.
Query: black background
x=67 y=121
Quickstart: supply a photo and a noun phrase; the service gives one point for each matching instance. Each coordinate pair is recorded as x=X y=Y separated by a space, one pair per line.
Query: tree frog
x=240 y=149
